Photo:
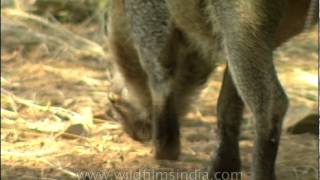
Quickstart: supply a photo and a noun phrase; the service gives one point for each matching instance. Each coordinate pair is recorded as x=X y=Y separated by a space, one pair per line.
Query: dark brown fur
x=166 y=49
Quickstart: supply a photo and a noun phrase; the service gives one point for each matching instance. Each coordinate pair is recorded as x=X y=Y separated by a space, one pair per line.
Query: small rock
x=76 y=130
x=302 y=120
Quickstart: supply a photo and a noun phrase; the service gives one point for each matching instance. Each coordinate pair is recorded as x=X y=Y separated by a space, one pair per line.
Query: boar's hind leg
x=249 y=43
x=230 y=108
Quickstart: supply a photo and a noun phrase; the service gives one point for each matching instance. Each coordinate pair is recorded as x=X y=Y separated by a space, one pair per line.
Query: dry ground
x=35 y=145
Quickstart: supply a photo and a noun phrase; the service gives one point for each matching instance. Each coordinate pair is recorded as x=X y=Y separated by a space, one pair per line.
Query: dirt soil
x=34 y=144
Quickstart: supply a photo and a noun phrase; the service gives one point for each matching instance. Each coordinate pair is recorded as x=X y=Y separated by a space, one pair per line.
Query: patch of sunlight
x=306 y=77
x=46 y=126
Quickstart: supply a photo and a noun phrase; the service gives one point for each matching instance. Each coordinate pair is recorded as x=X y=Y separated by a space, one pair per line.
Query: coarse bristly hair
x=166 y=50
